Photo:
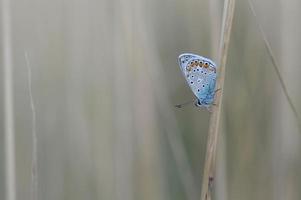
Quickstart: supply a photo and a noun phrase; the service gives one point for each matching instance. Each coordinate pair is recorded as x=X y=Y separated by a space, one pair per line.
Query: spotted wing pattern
x=200 y=74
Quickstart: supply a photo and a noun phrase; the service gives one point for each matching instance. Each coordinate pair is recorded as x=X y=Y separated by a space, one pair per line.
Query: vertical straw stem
x=9 y=132
x=275 y=65
x=34 y=162
x=209 y=168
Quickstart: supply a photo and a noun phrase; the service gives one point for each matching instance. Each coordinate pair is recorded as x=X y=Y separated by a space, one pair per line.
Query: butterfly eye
x=206 y=65
x=201 y=63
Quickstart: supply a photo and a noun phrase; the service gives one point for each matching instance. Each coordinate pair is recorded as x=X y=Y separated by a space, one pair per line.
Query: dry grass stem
x=275 y=66
x=34 y=162
x=9 y=130
x=209 y=168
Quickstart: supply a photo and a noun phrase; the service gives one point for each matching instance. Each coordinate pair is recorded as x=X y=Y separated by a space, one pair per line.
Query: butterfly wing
x=208 y=100
x=184 y=58
x=200 y=74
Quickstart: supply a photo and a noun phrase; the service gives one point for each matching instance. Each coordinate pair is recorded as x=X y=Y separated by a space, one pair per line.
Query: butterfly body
x=200 y=74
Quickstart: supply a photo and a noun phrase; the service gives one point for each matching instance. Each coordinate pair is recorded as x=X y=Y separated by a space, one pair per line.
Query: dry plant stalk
x=34 y=162
x=275 y=65
x=8 y=100
x=209 y=168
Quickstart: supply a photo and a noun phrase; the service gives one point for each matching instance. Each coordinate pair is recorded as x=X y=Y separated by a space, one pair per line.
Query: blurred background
x=104 y=79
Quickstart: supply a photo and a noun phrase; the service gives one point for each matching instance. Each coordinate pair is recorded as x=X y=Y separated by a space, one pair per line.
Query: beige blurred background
x=104 y=79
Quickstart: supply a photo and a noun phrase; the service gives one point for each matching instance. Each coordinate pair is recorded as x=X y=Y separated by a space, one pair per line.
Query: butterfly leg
x=209 y=108
x=214 y=104
x=217 y=90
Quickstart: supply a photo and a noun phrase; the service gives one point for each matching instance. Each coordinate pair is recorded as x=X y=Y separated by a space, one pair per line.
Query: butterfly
x=200 y=74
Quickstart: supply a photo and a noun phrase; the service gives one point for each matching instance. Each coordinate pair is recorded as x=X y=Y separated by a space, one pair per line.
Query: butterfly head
x=200 y=103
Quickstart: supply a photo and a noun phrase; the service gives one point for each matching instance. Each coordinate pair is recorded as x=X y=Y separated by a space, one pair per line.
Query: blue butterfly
x=200 y=74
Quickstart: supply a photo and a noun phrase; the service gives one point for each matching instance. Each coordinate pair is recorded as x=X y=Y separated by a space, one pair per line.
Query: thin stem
x=209 y=168
x=9 y=131
x=34 y=163
x=275 y=66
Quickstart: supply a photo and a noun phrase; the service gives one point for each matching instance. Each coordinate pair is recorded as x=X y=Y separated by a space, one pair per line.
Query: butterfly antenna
x=184 y=104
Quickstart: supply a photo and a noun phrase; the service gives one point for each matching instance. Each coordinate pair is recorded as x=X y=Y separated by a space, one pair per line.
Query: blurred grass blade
x=9 y=129
x=34 y=162
x=275 y=65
